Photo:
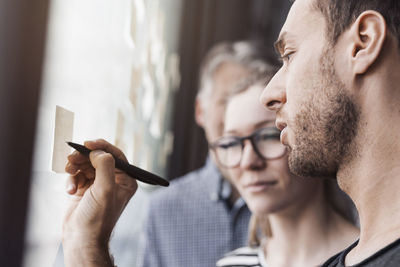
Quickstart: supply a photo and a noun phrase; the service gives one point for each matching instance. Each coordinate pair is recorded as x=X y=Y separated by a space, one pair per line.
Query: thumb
x=104 y=164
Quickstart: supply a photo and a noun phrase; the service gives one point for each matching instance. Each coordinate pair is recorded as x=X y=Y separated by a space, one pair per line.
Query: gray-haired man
x=201 y=216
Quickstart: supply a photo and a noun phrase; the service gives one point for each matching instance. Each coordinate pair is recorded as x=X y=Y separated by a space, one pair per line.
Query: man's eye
x=287 y=56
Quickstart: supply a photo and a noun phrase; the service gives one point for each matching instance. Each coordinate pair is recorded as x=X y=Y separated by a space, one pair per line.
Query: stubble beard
x=325 y=126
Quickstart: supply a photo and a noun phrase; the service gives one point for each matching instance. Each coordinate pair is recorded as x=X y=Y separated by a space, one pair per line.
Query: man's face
x=225 y=78
x=315 y=112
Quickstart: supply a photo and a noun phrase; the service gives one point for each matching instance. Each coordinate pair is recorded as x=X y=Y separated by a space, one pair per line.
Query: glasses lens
x=228 y=151
x=269 y=144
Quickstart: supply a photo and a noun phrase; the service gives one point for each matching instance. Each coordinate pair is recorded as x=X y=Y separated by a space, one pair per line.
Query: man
x=200 y=217
x=337 y=99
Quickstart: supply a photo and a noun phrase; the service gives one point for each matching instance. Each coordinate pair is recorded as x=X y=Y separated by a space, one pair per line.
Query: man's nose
x=274 y=94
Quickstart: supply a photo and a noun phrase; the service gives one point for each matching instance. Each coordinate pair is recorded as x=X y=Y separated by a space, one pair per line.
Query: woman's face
x=267 y=186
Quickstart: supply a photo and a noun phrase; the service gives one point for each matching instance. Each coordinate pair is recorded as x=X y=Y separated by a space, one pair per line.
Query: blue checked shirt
x=191 y=224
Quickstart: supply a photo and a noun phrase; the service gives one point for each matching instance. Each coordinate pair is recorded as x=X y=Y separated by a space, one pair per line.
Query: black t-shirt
x=388 y=256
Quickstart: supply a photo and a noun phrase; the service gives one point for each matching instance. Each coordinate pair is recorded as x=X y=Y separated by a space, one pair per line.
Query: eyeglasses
x=265 y=142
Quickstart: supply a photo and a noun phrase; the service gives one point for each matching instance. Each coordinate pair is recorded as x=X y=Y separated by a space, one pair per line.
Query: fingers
x=76 y=161
x=127 y=183
x=86 y=168
x=102 y=144
x=72 y=185
x=77 y=184
x=104 y=165
x=77 y=158
x=100 y=164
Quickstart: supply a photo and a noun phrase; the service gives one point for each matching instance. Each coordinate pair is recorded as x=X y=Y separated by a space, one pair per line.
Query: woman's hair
x=259 y=227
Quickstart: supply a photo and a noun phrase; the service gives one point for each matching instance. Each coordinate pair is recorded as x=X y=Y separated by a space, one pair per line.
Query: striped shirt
x=243 y=257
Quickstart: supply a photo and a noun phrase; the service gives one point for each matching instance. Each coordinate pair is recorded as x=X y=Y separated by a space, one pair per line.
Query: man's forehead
x=301 y=18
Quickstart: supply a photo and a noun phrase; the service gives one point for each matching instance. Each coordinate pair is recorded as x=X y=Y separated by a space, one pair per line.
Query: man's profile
x=337 y=101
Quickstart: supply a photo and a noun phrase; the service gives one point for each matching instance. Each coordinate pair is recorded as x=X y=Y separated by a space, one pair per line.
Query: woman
x=295 y=216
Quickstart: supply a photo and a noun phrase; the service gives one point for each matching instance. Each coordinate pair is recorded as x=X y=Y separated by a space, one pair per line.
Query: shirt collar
x=218 y=187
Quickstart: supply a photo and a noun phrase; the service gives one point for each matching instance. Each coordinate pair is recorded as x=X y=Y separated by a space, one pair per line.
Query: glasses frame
x=214 y=145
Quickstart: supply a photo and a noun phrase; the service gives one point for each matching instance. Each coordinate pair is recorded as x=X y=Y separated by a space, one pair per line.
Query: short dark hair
x=340 y=14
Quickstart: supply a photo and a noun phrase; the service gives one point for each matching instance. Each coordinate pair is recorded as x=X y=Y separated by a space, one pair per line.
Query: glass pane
x=112 y=67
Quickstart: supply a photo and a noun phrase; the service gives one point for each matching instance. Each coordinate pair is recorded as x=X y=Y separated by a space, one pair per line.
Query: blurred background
x=125 y=71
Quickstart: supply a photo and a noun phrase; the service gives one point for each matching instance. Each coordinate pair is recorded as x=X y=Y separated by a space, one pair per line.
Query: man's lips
x=284 y=137
x=282 y=126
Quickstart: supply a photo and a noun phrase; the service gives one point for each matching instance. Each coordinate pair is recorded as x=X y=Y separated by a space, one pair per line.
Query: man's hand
x=101 y=193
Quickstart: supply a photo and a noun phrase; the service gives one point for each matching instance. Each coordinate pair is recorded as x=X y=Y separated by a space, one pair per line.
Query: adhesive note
x=133 y=24
x=140 y=10
x=173 y=69
x=168 y=143
x=166 y=149
x=146 y=161
x=136 y=80
x=155 y=124
x=137 y=145
x=63 y=131
x=148 y=100
x=119 y=137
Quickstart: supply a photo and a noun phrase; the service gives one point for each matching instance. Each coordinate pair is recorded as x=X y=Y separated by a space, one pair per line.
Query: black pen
x=131 y=170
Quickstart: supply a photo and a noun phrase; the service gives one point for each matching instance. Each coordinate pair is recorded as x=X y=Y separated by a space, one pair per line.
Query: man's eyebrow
x=280 y=43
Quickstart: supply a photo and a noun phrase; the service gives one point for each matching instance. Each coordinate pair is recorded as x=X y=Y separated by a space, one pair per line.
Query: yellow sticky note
x=63 y=130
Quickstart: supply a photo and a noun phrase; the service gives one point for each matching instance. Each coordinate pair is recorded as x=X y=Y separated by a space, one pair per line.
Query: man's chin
x=301 y=164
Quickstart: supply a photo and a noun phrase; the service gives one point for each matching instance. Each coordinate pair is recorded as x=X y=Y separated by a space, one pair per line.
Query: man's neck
x=372 y=178
x=376 y=197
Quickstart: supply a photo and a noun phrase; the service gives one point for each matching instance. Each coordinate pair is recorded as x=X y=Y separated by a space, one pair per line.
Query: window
x=112 y=68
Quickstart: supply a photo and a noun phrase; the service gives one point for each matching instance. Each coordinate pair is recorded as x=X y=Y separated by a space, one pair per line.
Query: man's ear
x=368 y=33
x=199 y=113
